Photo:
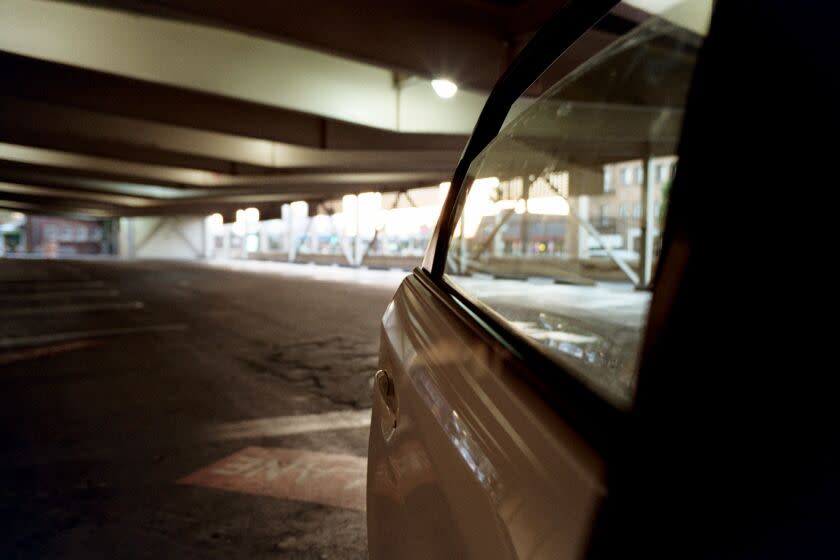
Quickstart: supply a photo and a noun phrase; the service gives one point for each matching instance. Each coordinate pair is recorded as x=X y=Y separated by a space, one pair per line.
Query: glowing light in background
x=251 y=215
x=479 y=204
x=553 y=205
x=215 y=222
x=369 y=212
x=444 y=88
x=443 y=190
x=300 y=208
x=238 y=226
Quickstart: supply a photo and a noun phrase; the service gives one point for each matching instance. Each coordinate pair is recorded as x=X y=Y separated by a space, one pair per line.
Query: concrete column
x=498 y=243
x=648 y=224
x=132 y=237
x=464 y=251
x=357 y=237
x=263 y=232
x=291 y=246
x=313 y=236
x=523 y=230
x=582 y=212
x=205 y=240
x=226 y=241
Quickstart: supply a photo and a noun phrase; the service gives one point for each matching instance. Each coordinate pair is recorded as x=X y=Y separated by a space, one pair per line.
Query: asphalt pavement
x=179 y=410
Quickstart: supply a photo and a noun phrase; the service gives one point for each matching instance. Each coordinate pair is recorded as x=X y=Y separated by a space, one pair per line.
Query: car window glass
x=559 y=230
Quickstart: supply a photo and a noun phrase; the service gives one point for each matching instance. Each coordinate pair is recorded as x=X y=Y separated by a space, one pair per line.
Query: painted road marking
x=30 y=353
x=287 y=425
x=22 y=341
x=289 y=474
x=72 y=294
x=32 y=286
x=74 y=308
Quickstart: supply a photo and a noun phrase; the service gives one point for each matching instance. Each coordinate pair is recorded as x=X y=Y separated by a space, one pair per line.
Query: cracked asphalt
x=105 y=406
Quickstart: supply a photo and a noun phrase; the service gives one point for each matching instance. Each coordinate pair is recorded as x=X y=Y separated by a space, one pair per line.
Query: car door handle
x=386 y=390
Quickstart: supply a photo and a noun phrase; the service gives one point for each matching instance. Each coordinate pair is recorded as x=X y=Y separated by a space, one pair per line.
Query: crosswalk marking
x=290 y=474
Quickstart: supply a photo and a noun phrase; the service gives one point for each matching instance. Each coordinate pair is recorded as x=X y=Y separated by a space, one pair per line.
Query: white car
x=509 y=418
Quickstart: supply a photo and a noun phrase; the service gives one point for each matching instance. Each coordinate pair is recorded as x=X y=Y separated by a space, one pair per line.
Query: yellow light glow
x=362 y=212
x=238 y=226
x=479 y=204
x=251 y=215
x=299 y=208
x=552 y=205
x=215 y=222
x=443 y=190
x=444 y=88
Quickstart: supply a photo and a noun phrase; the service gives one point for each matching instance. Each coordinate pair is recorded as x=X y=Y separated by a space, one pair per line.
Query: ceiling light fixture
x=444 y=88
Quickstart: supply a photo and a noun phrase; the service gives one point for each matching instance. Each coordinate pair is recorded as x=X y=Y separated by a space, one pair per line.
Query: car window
x=559 y=229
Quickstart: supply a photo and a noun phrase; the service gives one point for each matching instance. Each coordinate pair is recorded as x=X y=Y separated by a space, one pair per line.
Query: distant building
x=54 y=236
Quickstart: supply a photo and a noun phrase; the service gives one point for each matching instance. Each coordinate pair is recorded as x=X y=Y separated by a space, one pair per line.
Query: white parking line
x=22 y=341
x=43 y=351
x=33 y=285
x=288 y=425
x=70 y=294
x=368 y=277
x=75 y=308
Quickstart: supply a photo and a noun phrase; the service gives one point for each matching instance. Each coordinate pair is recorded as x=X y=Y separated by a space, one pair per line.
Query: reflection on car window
x=559 y=231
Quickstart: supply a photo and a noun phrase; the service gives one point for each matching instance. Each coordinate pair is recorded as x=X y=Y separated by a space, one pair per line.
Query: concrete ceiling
x=187 y=106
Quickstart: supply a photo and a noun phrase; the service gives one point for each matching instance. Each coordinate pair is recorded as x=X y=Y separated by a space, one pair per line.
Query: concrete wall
x=170 y=237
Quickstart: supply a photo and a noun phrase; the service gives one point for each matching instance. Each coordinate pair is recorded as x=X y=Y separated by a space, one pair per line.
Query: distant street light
x=444 y=88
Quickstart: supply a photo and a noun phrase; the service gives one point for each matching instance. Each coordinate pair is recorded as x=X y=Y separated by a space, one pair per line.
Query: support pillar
x=648 y=225
x=225 y=249
x=357 y=237
x=582 y=212
x=263 y=229
x=291 y=246
x=132 y=250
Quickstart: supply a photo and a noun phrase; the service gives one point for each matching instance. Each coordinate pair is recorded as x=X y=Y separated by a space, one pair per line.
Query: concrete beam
x=231 y=64
x=36 y=120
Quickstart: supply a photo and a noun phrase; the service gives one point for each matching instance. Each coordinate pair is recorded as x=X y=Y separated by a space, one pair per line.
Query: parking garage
x=207 y=211
x=339 y=279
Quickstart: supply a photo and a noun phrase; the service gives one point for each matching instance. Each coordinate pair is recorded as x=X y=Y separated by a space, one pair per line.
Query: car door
x=508 y=359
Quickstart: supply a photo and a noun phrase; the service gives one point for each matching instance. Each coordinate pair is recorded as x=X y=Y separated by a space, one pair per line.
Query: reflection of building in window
x=619 y=212
x=662 y=172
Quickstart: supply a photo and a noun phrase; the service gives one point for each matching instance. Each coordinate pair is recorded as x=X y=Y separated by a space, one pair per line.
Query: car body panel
x=479 y=465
